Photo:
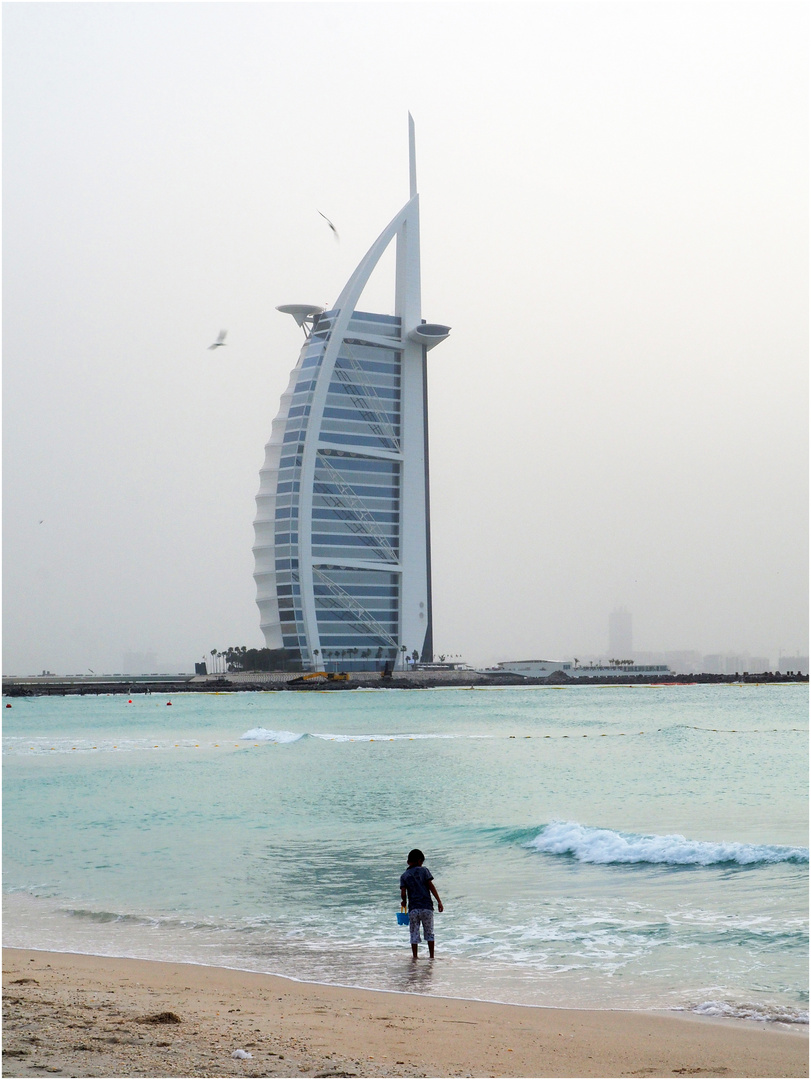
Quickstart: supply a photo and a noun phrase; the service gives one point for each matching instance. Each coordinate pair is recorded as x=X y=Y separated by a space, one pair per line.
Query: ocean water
x=601 y=847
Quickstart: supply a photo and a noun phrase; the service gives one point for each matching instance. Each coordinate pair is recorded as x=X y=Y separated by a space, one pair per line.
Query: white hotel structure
x=343 y=539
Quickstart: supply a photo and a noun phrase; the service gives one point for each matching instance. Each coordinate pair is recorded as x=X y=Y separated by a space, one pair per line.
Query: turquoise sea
x=606 y=847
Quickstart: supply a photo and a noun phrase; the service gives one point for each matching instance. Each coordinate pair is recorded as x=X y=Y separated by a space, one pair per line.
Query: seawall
x=235 y=682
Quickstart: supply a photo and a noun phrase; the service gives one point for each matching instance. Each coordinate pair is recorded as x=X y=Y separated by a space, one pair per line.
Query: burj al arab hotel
x=342 y=549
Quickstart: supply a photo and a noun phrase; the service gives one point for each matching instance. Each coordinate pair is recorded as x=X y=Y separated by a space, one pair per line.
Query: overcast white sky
x=614 y=222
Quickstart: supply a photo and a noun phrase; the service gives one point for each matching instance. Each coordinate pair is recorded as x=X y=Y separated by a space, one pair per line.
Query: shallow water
x=623 y=847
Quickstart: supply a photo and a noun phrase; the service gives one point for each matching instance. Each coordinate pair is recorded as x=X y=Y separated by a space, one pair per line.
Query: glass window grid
x=373 y=442
x=365 y=550
x=385 y=605
x=340 y=459
x=325 y=514
x=364 y=592
x=386 y=616
x=369 y=504
x=363 y=425
x=343 y=545
x=360 y=353
x=342 y=523
x=339 y=391
x=368 y=494
x=346 y=577
x=332 y=630
x=352 y=414
x=355 y=380
x=349 y=639
x=383 y=385
x=369 y=352
x=379 y=366
x=350 y=473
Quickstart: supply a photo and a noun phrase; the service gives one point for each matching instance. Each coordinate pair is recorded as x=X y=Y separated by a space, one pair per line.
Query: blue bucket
x=402 y=918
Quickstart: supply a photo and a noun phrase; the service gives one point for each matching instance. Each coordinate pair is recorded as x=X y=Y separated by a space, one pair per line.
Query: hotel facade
x=342 y=529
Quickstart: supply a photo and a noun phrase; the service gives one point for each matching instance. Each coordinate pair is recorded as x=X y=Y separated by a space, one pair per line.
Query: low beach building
x=542 y=669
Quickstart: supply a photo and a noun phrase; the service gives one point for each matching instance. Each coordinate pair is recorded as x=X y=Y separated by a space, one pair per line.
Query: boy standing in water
x=418 y=884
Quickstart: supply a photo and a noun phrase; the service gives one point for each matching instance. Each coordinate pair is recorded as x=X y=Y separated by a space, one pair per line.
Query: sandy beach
x=82 y=1016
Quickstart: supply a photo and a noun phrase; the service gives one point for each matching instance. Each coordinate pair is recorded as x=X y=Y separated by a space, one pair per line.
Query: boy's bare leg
x=414 y=951
x=431 y=949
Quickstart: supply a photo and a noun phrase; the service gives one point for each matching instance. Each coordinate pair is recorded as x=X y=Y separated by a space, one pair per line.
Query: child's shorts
x=424 y=916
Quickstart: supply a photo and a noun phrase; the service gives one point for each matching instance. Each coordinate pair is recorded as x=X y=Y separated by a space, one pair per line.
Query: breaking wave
x=775 y=1014
x=261 y=734
x=605 y=846
x=266 y=735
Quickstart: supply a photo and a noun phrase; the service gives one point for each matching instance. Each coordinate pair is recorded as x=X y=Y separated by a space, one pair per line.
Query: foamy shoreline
x=81 y=1016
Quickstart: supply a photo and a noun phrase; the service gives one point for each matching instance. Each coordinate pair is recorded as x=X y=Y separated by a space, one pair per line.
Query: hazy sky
x=614 y=208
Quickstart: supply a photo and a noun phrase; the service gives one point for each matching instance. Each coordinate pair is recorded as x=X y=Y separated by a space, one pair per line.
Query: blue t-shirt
x=415 y=882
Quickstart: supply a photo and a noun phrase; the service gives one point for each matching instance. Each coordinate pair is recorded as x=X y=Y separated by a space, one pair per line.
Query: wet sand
x=86 y=1016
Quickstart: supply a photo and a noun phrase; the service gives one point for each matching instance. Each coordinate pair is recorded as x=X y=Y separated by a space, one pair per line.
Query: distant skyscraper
x=620 y=636
x=343 y=556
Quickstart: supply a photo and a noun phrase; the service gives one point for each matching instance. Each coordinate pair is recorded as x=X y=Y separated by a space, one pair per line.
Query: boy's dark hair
x=415 y=857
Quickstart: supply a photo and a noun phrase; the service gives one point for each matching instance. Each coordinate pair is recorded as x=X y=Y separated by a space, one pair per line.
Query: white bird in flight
x=324 y=216
x=220 y=340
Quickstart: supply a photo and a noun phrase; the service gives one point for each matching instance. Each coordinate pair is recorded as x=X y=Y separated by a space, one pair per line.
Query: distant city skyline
x=685 y=661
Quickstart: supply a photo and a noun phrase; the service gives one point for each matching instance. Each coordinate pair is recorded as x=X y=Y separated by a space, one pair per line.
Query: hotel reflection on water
x=342 y=549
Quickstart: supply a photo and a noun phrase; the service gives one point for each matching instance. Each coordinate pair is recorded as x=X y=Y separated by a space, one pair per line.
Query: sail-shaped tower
x=342 y=549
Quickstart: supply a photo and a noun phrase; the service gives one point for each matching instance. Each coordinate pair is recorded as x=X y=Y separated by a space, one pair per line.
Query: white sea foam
x=264 y=735
x=776 y=1014
x=261 y=734
x=605 y=846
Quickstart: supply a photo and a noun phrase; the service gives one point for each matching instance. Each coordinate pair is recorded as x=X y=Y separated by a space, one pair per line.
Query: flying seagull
x=220 y=340
x=324 y=216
